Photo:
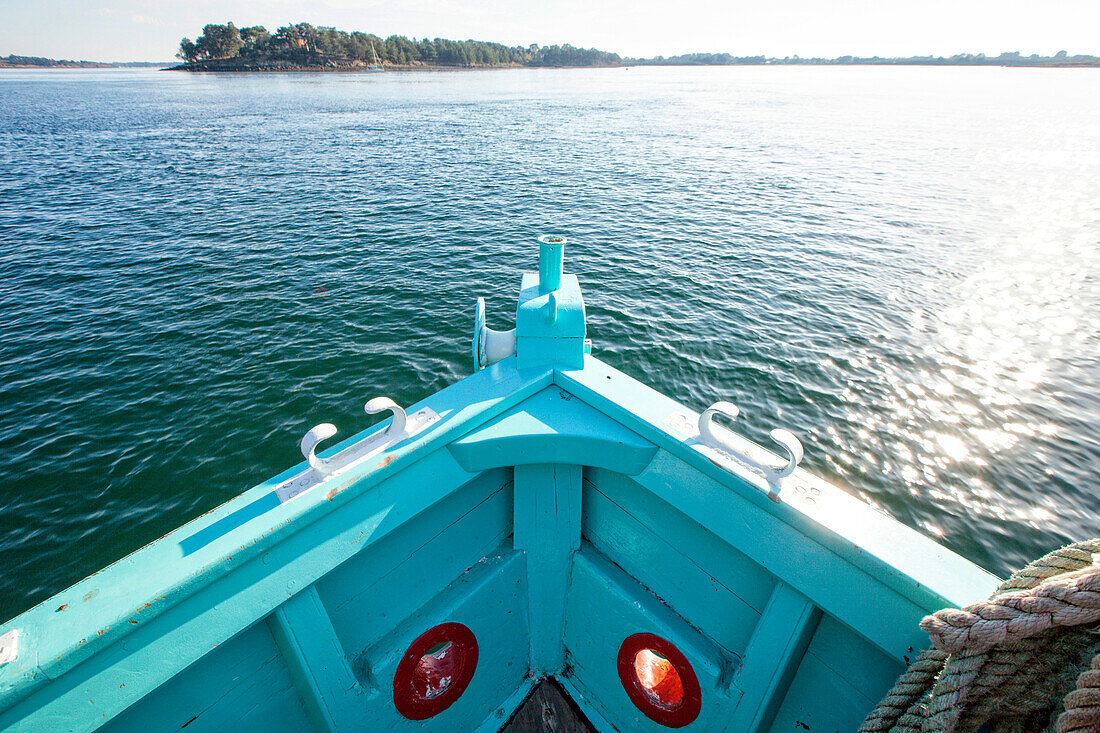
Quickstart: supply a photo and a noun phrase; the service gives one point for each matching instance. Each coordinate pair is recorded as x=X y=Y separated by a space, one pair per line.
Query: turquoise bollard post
x=551 y=262
x=550 y=325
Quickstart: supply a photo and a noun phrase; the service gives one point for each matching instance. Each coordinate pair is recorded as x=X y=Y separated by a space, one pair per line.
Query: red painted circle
x=669 y=696
x=434 y=671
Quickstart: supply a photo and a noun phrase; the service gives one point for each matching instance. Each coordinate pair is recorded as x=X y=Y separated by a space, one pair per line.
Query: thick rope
x=1082 y=706
x=1009 y=659
x=950 y=693
x=1063 y=560
x=1022 y=690
x=907 y=691
x=1005 y=679
x=1070 y=599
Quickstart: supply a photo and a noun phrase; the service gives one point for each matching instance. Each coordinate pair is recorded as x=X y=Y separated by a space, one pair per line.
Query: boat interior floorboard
x=548 y=709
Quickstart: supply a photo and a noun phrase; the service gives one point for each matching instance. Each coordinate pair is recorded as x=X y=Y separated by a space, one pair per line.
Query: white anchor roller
x=316 y=434
x=394 y=432
x=490 y=346
x=401 y=426
x=770 y=473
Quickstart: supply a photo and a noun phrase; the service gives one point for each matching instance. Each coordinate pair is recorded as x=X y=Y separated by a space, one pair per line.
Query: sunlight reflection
x=988 y=355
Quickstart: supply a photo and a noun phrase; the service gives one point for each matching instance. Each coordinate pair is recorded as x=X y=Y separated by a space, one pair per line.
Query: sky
x=132 y=30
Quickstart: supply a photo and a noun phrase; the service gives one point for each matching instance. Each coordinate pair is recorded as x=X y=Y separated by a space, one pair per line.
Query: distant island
x=304 y=47
x=13 y=61
x=38 y=62
x=1009 y=58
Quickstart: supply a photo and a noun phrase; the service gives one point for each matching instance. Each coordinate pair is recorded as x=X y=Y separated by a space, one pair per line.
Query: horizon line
x=1012 y=54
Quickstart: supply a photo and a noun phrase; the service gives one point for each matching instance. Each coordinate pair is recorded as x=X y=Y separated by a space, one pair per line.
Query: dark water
x=901 y=265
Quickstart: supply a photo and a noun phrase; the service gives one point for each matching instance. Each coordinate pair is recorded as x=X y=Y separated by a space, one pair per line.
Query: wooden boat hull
x=555 y=512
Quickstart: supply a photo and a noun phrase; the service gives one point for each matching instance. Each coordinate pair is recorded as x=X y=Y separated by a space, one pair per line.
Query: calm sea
x=902 y=265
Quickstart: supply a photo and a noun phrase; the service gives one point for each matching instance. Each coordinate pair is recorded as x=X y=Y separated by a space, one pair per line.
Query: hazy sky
x=125 y=30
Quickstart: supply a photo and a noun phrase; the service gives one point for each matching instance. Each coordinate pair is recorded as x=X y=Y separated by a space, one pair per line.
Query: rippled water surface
x=901 y=265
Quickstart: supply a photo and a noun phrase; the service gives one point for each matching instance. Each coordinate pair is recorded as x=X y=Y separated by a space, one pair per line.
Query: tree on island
x=570 y=56
x=216 y=42
x=255 y=36
x=188 y=51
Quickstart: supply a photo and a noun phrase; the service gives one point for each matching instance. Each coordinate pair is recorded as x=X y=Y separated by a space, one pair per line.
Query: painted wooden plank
x=241 y=685
x=553 y=427
x=774 y=653
x=164 y=573
x=745 y=578
x=317 y=663
x=547 y=528
x=897 y=556
x=652 y=554
x=380 y=589
x=362 y=570
x=820 y=700
x=856 y=660
x=605 y=606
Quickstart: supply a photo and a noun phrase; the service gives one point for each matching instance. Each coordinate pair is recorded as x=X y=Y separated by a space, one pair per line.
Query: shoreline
x=224 y=67
x=270 y=68
x=59 y=65
x=208 y=68
x=406 y=69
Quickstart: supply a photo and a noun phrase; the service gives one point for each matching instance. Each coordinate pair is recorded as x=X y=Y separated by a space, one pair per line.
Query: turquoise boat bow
x=546 y=518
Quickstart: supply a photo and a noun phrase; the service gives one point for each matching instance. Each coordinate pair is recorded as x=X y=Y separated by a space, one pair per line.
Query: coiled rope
x=1025 y=661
